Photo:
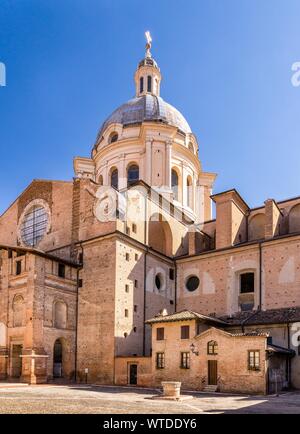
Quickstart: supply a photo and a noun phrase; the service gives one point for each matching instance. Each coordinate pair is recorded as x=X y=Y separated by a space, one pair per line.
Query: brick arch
x=257 y=227
x=160 y=235
x=294 y=219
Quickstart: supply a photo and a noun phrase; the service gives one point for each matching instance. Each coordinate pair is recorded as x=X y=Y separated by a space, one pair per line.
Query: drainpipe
x=260 y=276
x=76 y=325
x=145 y=274
x=144 y=313
x=175 y=301
x=289 y=364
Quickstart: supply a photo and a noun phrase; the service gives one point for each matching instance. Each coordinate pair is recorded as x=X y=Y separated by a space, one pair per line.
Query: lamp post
x=193 y=350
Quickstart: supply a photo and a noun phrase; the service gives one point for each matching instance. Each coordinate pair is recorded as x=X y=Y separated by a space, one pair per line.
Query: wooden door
x=212 y=372
x=133 y=375
x=16 y=361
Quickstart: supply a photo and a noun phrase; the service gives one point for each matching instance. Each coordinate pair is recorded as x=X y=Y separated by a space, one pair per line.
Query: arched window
x=189 y=192
x=133 y=174
x=212 y=348
x=114 y=179
x=191 y=147
x=175 y=184
x=149 y=83
x=60 y=315
x=141 y=84
x=34 y=225
x=113 y=137
x=18 y=311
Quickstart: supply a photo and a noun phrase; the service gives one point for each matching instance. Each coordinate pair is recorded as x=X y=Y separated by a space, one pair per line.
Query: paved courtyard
x=16 y=398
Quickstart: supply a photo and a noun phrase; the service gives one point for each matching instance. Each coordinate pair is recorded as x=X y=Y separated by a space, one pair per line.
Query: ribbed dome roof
x=146 y=108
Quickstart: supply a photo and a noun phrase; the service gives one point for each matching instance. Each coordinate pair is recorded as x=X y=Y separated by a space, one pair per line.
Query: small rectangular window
x=247 y=283
x=80 y=283
x=135 y=283
x=185 y=332
x=18 y=268
x=171 y=274
x=61 y=270
x=135 y=308
x=160 y=334
x=160 y=360
x=126 y=313
x=185 y=360
x=127 y=230
x=136 y=256
x=127 y=257
x=126 y=288
x=134 y=229
x=254 y=360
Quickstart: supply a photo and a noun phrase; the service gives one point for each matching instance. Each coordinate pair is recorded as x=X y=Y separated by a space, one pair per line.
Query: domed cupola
x=147 y=77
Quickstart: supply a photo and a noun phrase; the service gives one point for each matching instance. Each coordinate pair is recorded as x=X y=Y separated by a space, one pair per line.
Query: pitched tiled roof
x=252 y=333
x=184 y=316
x=260 y=317
x=271 y=348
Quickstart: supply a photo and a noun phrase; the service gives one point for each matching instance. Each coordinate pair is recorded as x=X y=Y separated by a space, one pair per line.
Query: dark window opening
x=160 y=334
x=141 y=84
x=149 y=83
x=171 y=274
x=133 y=174
x=114 y=179
x=80 y=283
x=192 y=283
x=247 y=283
x=113 y=138
x=61 y=270
x=158 y=281
x=18 y=268
x=185 y=332
x=174 y=181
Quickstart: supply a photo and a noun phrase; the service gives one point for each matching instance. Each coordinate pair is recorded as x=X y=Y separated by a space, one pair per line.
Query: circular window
x=34 y=225
x=192 y=283
x=158 y=281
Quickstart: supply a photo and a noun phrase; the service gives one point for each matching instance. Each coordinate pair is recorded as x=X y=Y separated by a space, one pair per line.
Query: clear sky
x=226 y=66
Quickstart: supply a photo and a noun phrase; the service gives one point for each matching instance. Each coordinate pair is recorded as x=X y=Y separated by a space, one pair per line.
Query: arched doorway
x=57 y=359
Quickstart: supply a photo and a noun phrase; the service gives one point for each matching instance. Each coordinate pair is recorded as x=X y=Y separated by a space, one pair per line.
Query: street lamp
x=193 y=350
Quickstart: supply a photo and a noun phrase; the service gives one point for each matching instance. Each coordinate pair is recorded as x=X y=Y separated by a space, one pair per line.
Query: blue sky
x=226 y=66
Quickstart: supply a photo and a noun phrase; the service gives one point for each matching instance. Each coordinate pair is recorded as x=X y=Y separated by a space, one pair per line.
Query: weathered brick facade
x=85 y=263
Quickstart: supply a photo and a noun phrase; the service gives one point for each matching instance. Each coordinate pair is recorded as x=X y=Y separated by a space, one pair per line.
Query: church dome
x=146 y=108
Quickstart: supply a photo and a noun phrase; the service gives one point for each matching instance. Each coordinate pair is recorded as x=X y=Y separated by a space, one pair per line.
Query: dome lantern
x=147 y=76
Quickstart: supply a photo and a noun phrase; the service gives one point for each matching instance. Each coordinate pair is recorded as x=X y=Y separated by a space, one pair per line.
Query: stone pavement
x=71 y=399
